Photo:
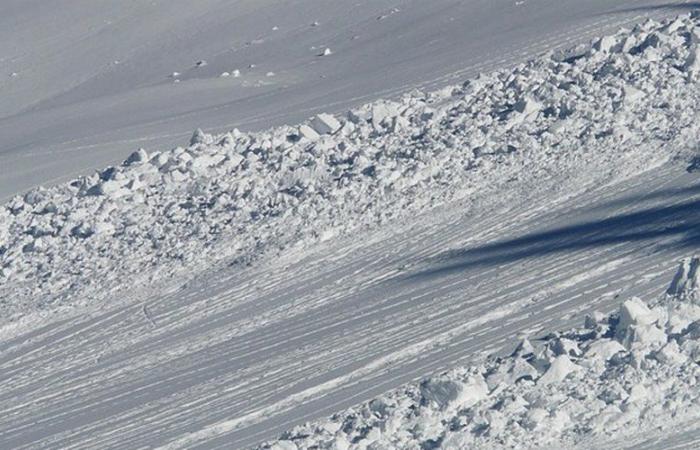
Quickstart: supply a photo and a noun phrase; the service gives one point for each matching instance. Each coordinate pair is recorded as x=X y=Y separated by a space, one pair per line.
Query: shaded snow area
x=635 y=371
x=618 y=107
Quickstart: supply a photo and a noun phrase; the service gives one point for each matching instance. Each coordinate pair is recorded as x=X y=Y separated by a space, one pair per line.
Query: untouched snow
x=620 y=375
x=85 y=82
x=216 y=294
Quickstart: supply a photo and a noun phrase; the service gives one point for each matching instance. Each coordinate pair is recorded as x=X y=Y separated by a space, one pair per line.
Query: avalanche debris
x=609 y=384
x=238 y=196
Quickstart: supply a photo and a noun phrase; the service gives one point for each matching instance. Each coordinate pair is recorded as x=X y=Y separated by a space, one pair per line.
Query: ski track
x=239 y=357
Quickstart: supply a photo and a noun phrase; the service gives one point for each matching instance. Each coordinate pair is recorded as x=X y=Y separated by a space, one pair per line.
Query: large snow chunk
x=633 y=95
x=139 y=157
x=308 y=133
x=109 y=188
x=35 y=196
x=687 y=279
x=635 y=312
x=284 y=445
x=528 y=107
x=670 y=354
x=446 y=393
x=201 y=162
x=637 y=326
x=607 y=44
x=200 y=137
x=380 y=113
x=603 y=350
x=645 y=337
x=325 y=124
x=560 y=368
x=692 y=63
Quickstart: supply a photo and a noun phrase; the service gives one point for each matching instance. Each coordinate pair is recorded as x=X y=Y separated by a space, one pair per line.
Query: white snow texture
x=236 y=196
x=622 y=374
x=619 y=106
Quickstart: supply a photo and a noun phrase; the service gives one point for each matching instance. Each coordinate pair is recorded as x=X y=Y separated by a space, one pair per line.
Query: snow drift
x=625 y=104
x=633 y=371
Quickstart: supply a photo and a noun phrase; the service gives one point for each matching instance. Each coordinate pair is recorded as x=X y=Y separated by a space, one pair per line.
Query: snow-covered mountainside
x=625 y=104
x=630 y=373
x=218 y=293
x=85 y=82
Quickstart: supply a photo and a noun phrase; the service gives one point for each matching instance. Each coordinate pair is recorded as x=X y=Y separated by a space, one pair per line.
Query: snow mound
x=621 y=374
x=626 y=104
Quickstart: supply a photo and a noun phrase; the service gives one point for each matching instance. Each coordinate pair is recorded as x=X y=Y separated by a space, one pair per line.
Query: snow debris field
x=216 y=294
x=620 y=375
x=624 y=104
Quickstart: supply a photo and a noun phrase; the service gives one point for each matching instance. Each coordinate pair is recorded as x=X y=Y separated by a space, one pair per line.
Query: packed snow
x=84 y=82
x=625 y=104
x=244 y=282
x=624 y=374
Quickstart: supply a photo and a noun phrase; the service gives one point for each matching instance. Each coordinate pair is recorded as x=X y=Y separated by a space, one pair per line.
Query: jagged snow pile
x=626 y=103
x=636 y=370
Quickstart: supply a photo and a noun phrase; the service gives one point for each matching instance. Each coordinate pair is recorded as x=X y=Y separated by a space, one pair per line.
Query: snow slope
x=208 y=306
x=239 y=356
x=619 y=375
x=85 y=82
x=627 y=105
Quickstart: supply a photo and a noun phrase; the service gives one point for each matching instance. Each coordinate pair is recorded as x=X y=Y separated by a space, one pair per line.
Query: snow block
x=606 y=44
x=201 y=162
x=692 y=63
x=604 y=349
x=306 y=132
x=139 y=157
x=528 y=107
x=635 y=312
x=560 y=368
x=200 y=137
x=325 y=124
x=284 y=445
x=380 y=112
x=686 y=282
x=633 y=95
x=447 y=393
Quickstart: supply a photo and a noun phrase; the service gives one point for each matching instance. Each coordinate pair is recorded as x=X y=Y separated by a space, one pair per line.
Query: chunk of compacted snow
x=692 y=63
x=559 y=369
x=308 y=133
x=325 y=124
x=138 y=157
x=607 y=44
x=687 y=280
x=635 y=312
x=446 y=393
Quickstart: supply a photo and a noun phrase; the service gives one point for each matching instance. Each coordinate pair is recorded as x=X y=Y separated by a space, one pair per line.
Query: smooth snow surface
x=219 y=293
x=85 y=82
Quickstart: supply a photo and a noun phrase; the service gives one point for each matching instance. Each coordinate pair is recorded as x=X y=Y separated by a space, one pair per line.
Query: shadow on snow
x=676 y=225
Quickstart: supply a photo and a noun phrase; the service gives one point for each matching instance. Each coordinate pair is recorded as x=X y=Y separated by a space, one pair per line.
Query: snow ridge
x=621 y=374
x=624 y=105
